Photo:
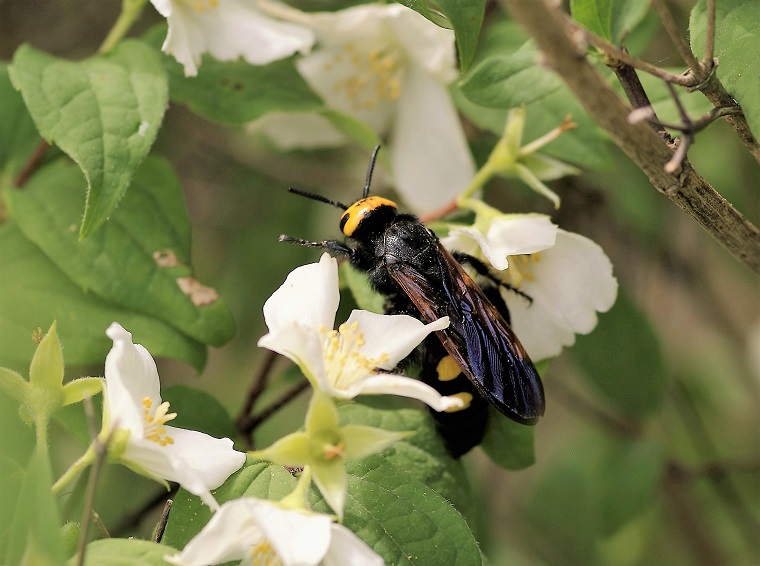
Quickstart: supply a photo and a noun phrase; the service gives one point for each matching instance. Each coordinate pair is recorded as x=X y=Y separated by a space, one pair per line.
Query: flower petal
x=428 y=150
x=394 y=336
x=430 y=47
x=131 y=376
x=291 y=130
x=362 y=440
x=571 y=282
x=309 y=296
x=297 y=538
x=507 y=235
x=390 y=384
x=227 y=30
x=197 y=461
x=303 y=346
x=229 y=535
x=347 y=549
x=290 y=450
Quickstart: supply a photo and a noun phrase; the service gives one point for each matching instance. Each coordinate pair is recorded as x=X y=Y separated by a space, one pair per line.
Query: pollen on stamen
x=154 y=429
x=519 y=269
x=262 y=554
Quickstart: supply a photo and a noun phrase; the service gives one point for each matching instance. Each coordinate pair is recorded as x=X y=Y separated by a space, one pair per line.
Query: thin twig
x=702 y=79
x=614 y=54
x=709 y=54
x=286 y=398
x=132 y=519
x=101 y=450
x=685 y=188
x=699 y=434
x=161 y=525
x=31 y=164
x=671 y=28
x=638 y=97
x=257 y=388
x=580 y=406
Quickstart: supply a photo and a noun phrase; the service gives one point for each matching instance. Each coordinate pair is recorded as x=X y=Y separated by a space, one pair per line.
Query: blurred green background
x=649 y=452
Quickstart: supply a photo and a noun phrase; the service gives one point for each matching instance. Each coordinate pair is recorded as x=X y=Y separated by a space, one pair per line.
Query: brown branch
x=620 y=426
x=31 y=164
x=286 y=398
x=685 y=187
x=702 y=77
x=257 y=388
x=615 y=54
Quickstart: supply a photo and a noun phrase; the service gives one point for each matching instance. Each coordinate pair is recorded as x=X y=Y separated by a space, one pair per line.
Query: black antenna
x=320 y=198
x=370 y=170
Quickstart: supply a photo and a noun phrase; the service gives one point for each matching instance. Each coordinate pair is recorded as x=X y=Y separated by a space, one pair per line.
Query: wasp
x=406 y=262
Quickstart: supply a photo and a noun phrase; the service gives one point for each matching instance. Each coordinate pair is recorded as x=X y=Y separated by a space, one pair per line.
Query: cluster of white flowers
x=388 y=67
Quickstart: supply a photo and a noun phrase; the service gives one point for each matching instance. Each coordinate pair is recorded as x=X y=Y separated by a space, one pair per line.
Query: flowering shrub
x=488 y=136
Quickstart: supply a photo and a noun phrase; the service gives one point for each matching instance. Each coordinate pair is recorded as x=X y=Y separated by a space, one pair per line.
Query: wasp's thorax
x=367 y=216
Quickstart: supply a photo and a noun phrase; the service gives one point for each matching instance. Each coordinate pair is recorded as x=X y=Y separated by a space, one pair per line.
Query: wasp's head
x=366 y=216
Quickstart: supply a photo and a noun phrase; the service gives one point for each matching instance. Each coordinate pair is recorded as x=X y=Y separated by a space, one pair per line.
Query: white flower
x=567 y=276
x=134 y=410
x=343 y=363
x=257 y=531
x=388 y=66
x=227 y=29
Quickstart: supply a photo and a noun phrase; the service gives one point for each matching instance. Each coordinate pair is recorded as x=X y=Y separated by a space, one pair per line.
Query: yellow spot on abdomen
x=447 y=369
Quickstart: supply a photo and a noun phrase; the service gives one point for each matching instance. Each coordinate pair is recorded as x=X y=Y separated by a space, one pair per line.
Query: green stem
x=130 y=11
x=84 y=460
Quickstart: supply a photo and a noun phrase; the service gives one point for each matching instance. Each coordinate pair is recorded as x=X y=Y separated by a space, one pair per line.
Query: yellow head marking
x=358 y=211
x=448 y=369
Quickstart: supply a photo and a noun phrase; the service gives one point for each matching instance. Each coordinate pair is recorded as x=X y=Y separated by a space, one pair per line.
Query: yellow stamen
x=201 y=6
x=344 y=362
x=374 y=77
x=155 y=421
x=335 y=451
x=520 y=269
x=262 y=554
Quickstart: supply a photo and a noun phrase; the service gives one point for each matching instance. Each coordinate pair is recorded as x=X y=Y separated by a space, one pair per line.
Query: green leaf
x=623 y=361
x=34 y=292
x=610 y=19
x=402 y=519
x=510 y=445
x=421 y=455
x=509 y=80
x=464 y=17
x=737 y=47
x=35 y=530
x=198 y=410
x=125 y=552
x=585 y=145
x=236 y=92
x=139 y=261
x=598 y=486
x=18 y=134
x=104 y=112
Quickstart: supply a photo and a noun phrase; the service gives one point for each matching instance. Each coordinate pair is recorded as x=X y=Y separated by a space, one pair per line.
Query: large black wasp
x=406 y=263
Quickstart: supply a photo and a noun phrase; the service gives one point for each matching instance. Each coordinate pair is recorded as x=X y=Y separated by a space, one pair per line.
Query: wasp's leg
x=332 y=246
x=484 y=271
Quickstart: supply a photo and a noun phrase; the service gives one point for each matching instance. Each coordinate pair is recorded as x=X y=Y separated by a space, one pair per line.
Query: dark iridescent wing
x=478 y=337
